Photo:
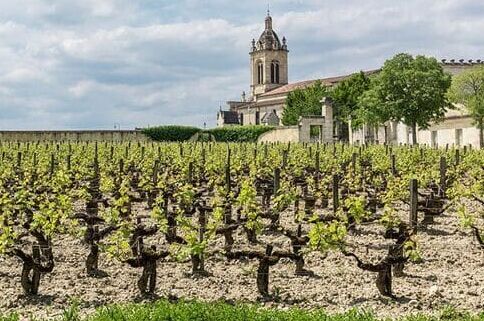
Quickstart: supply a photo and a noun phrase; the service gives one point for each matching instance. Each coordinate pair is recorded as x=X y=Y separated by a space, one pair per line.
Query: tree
x=409 y=90
x=304 y=102
x=346 y=96
x=468 y=89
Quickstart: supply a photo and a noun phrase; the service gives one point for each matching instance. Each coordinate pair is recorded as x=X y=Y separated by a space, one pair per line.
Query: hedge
x=239 y=133
x=171 y=133
x=222 y=134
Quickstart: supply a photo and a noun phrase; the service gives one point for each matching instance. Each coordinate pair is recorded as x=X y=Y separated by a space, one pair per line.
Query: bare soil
x=451 y=273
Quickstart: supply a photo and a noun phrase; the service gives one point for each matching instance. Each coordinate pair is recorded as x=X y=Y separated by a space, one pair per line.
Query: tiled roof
x=304 y=84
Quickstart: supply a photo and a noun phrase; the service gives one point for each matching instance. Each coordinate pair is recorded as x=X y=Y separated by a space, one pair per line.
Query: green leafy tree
x=468 y=89
x=346 y=96
x=304 y=102
x=412 y=90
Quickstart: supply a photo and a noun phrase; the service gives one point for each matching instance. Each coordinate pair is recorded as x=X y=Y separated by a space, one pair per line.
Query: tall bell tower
x=268 y=61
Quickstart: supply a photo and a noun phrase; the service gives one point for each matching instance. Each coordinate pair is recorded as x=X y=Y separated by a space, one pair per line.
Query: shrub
x=239 y=133
x=171 y=133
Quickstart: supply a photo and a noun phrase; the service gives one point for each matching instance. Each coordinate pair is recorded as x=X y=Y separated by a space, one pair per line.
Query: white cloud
x=67 y=64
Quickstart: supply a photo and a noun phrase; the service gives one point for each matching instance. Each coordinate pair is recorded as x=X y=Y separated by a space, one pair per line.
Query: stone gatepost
x=327 y=113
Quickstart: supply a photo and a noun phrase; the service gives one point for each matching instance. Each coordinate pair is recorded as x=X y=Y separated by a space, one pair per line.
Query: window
x=260 y=73
x=433 y=138
x=257 y=117
x=458 y=137
x=275 y=72
x=241 y=119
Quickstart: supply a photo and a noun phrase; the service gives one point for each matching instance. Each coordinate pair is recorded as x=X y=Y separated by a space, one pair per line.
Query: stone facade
x=456 y=129
x=269 y=95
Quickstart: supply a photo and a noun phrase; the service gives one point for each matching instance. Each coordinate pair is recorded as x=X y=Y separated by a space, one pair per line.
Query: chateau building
x=269 y=83
x=270 y=87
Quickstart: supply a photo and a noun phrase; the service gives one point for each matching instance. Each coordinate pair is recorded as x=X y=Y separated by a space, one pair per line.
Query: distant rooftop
x=462 y=62
x=307 y=83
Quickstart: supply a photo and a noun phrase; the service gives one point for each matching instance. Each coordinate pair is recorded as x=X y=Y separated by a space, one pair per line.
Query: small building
x=227 y=118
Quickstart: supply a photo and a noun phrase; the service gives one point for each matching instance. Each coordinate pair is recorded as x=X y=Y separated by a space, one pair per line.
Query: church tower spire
x=268 y=59
x=268 y=21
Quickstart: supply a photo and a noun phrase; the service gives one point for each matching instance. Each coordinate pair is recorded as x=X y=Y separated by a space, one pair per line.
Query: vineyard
x=395 y=229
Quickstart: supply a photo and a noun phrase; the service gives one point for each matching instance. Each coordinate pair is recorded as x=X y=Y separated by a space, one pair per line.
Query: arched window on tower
x=275 y=72
x=260 y=73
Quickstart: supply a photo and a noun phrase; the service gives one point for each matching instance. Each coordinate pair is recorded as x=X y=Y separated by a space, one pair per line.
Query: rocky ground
x=451 y=273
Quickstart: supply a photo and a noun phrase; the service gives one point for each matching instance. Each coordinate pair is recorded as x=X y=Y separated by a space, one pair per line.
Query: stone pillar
x=327 y=113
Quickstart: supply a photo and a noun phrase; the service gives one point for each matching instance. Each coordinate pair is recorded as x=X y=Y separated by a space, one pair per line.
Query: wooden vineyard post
x=413 y=204
x=227 y=178
x=52 y=165
x=394 y=164
x=121 y=166
x=19 y=159
x=69 y=162
x=190 y=173
x=284 y=158
x=204 y=156
x=203 y=225
x=277 y=180
x=317 y=165
x=443 y=176
x=255 y=154
x=457 y=157
x=335 y=193
x=227 y=172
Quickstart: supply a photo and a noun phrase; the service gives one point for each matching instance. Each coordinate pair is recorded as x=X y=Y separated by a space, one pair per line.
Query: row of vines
x=193 y=193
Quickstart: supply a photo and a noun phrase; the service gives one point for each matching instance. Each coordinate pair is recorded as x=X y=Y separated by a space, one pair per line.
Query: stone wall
x=285 y=134
x=453 y=131
x=74 y=135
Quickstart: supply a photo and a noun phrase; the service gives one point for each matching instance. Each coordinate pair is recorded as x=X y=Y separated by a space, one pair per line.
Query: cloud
x=93 y=63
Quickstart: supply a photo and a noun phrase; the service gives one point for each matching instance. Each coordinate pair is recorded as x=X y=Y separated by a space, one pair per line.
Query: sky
x=96 y=64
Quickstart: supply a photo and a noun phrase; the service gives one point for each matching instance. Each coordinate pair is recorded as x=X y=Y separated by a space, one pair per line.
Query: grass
x=195 y=311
